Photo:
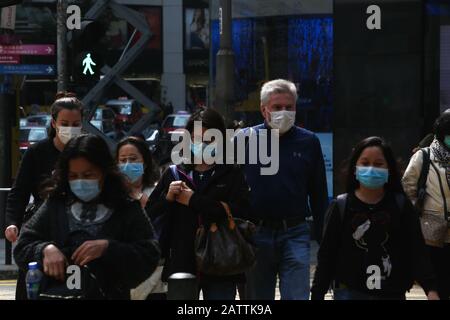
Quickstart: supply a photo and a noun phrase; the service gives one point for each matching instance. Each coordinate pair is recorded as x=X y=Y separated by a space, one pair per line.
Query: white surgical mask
x=67 y=133
x=282 y=120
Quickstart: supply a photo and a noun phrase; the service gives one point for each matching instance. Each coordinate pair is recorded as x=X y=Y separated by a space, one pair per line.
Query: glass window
x=37 y=134
x=123 y=109
x=293 y=41
x=98 y=114
x=180 y=122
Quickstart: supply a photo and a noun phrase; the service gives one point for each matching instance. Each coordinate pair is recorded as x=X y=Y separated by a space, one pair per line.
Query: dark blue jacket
x=301 y=177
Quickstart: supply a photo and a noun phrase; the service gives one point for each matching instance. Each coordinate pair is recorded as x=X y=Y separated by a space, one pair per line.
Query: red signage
x=28 y=50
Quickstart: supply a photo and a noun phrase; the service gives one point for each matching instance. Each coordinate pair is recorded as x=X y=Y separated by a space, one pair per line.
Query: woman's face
x=129 y=153
x=67 y=118
x=81 y=169
x=372 y=157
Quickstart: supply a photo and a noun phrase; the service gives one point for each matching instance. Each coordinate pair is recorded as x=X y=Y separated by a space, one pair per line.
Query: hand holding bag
x=52 y=289
x=225 y=249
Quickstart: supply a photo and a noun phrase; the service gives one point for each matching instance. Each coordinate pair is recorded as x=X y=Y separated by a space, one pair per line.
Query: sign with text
x=28 y=50
x=9 y=59
x=28 y=69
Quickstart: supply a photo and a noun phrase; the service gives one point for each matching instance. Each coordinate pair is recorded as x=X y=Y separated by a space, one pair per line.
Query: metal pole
x=211 y=85
x=62 y=44
x=225 y=64
x=7 y=103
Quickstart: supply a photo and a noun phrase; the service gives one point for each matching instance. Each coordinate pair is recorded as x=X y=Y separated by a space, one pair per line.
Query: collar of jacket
x=219 y=171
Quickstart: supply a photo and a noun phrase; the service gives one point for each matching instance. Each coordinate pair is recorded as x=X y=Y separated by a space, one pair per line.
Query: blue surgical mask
x=133 y=170
x=371 y=177
x=198 y=149
x=447 y=141
x=85 y=190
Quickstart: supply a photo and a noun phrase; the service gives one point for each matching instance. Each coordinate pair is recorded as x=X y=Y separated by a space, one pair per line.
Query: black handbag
x=52 y=289
x=225 y=249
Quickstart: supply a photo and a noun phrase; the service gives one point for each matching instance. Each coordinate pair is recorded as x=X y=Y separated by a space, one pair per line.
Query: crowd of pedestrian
x=227 y=227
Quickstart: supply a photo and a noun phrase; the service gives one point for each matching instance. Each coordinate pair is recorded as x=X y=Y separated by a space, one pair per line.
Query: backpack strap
x=341 y=201
x=422 y=182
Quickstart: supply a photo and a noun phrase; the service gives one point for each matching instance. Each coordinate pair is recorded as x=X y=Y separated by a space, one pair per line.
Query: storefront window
x=294 y=42
x=283 y=39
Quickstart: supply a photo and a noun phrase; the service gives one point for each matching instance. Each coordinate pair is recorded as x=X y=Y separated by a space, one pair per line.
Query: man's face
x=278 y=102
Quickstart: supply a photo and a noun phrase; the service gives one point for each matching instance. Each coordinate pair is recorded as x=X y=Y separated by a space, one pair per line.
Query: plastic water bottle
x=33 y=280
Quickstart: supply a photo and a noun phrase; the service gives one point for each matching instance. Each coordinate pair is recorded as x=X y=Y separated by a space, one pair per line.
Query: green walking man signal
x=88 y=63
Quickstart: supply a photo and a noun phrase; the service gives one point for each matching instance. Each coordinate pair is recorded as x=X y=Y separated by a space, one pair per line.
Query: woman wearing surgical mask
x=431 y=194
x=372 y=247
x=88 y=219
x=135 y=162
x=199 y=194
x=37 y=165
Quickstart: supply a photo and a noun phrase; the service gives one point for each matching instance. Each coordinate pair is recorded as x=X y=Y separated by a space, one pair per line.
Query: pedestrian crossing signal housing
x=87 y=66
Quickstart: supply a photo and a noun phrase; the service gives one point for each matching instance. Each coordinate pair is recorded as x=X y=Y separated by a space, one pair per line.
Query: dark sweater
x=300 y=185
x=393 y=232
x=180 y=223
x=37 y=166
x=132 y=254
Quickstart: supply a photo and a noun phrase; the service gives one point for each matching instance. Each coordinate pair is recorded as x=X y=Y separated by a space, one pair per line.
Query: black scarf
x=442 y=155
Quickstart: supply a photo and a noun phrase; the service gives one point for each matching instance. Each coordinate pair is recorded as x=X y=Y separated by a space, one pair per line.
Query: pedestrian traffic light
x=87 y=52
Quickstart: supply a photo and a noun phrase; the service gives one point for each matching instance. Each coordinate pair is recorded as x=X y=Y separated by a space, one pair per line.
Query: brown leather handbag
x=225 y=249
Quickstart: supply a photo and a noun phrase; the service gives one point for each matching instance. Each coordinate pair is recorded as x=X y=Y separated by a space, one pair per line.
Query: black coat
x=35 y=168
x=226 y=184
x=132 y=254
x=342 y=258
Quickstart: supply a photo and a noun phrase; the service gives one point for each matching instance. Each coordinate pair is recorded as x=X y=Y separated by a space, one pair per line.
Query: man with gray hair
x=281 y=202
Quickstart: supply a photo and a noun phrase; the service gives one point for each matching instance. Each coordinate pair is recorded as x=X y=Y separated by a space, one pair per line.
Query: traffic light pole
x=224 y=99
x=62 y=44
x=6 y=117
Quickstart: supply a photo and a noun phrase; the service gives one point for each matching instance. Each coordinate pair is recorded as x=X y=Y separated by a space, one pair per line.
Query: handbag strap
x=446 y=215
x=174 y=170
x=231 y=223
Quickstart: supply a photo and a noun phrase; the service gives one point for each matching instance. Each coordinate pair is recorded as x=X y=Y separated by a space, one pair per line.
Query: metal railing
x=8 y=245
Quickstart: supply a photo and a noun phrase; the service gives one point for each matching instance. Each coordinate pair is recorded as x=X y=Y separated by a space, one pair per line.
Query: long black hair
x=150 y=175
x=394 y=182
x=95 y=150
x=64 y=101
x=441 y=126
x=210 y=119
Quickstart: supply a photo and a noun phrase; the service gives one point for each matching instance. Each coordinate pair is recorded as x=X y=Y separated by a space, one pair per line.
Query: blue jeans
x=219 y=291
x=285 y=253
